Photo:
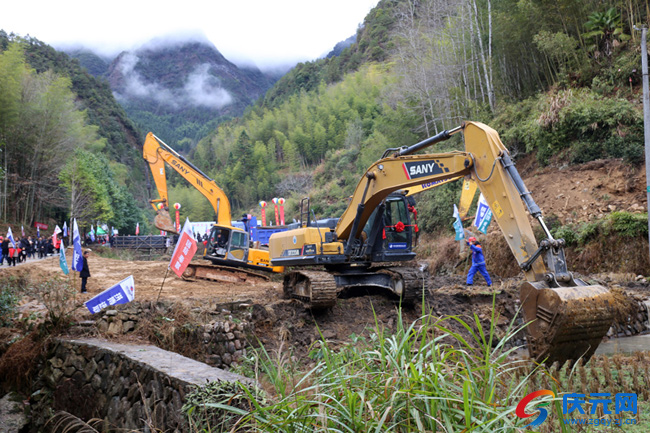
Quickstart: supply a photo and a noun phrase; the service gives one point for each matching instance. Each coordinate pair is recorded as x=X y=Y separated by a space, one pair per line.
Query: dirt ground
x=572 y=194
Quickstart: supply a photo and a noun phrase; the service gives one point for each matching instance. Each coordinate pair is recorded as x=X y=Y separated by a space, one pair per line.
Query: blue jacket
x=477 y=254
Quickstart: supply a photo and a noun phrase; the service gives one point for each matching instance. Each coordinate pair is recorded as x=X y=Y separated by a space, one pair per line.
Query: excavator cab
x=392 y=238
x=227 y=244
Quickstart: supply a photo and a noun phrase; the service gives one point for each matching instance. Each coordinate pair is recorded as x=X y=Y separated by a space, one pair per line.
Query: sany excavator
x=228 y=248
x=568 y=318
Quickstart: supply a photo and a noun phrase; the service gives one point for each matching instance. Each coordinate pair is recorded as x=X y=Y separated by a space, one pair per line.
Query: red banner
x=183 y=254
x=41 y=226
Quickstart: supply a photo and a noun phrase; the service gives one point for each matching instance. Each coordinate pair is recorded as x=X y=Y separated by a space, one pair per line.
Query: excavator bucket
x=565 y=323
x=163 y=221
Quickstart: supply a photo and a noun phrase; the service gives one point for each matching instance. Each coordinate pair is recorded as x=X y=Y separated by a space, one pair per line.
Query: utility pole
x=646 y=116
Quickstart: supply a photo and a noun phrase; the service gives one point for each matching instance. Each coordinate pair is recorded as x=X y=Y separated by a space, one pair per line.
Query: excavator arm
x=157 y=153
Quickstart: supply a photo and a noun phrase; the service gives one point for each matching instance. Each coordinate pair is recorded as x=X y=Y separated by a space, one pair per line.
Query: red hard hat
x=471 y=239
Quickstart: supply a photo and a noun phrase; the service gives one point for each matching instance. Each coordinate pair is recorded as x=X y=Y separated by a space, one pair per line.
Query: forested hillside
x=560 y=80
x=68 y=148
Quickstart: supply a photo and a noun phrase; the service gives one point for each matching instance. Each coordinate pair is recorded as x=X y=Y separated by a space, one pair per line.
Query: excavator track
x=320 y=289
x=198 y=271
x=316 y=289
x=414 y=279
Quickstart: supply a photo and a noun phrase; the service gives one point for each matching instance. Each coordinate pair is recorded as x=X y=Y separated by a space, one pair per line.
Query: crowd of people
x=27 y=248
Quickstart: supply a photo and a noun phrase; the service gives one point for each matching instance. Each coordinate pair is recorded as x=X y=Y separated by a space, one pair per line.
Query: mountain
x=338 y=48
x=95 y=65
x=182 y=90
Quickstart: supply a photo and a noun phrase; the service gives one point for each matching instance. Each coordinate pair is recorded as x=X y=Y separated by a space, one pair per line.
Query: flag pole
x=163 y=282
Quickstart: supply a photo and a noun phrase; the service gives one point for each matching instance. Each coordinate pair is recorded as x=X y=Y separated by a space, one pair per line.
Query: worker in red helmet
x=478 y=262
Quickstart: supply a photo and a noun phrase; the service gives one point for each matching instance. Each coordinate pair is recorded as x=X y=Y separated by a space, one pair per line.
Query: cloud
x=200 y=89
x=205 y=89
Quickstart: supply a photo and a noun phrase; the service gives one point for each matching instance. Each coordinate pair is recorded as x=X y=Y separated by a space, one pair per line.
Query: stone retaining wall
x=224 y=338
x=134 y=387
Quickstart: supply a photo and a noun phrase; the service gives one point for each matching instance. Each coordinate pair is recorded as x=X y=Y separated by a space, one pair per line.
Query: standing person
x=478 y=263
x=24 y=245
x=85 y=271
x=3 y=254
x=41 y=247
x=14 y=252
x=30 y=248
x=17 y=253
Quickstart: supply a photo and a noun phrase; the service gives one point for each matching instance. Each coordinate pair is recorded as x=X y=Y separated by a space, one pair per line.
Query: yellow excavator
x=567 y=317
x=228 y=253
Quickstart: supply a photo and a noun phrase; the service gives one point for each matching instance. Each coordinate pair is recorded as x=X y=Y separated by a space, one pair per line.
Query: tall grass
x=424 y=377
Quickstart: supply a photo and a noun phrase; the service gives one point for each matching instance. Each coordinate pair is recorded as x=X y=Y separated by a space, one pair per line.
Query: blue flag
x=38 y=232
x=10 y=236
x=62 y=260
x=121 y=293
x=483 y=215
x=65 y=229
x=77 y=262
x=458 y=225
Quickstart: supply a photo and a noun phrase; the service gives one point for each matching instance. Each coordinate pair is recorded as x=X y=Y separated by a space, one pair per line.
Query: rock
x=128 y=326
x=12 y=414
x=114 y=328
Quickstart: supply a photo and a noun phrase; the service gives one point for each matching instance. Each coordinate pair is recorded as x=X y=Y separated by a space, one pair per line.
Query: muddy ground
x=284 y=326
x=572 y=194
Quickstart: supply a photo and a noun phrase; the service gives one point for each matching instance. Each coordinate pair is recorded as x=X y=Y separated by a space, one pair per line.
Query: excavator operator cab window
x=239 y=246
x=397 y=229
x=218 y=245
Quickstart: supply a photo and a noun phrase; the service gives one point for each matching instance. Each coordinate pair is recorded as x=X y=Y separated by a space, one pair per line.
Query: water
x=635 y=343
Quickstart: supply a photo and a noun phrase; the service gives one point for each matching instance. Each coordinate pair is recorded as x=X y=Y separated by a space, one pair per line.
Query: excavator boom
x=228 y=247
x=157 y=153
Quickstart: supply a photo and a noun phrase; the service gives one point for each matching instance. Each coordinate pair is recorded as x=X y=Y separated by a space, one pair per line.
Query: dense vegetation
x=560 y=80
x=67 y=147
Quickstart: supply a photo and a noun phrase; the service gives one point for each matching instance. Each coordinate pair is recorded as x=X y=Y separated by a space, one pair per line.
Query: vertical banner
x=77 y=262
x=63 y=263
x=458 y=225
x=483 y=215
x=121 y=293
x=65 y=229
x=277 y=217
x=281 y=203
x=177 y=206
x=137 y=229
x=184 y=251
x=263 y=206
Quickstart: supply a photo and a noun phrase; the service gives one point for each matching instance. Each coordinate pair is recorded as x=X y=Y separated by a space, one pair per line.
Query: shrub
x=630 y=224
x=425 y=377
